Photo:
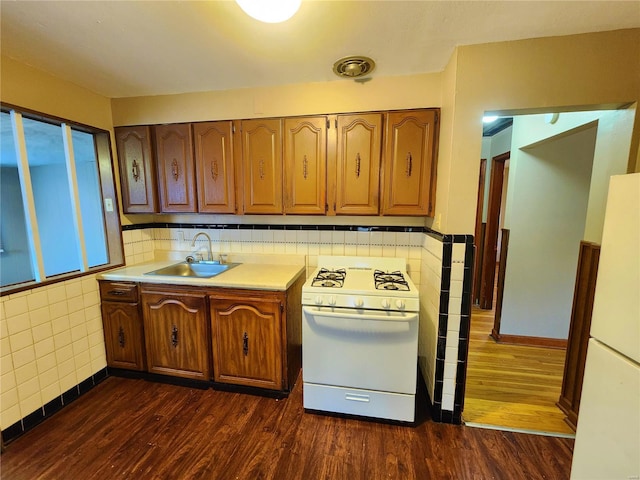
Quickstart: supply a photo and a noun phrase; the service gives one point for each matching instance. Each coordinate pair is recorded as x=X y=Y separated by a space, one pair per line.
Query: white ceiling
x=132 y=48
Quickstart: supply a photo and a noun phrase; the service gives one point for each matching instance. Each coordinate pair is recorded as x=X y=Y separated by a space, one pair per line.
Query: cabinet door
x=358 y=164
x=176 y=333
x=305 y=160
x=137 y=173
x=247 y=342
x=262 y=165
x=176 y=180
x=214 y=166
x=123 y=335
x=409 y=173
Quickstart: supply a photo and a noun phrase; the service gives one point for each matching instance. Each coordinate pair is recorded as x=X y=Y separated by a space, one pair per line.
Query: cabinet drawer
x=119 y=291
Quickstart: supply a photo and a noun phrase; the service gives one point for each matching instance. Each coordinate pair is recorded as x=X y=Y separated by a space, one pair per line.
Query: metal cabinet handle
x=135 y=171
x=409 y=164
x=175 y=170
x=121 y=337
x=117 y=292
x=305 y=167
x=214 y=169
x=174 y=336
x=261 y=169
x=245 y=344
x=358 y=165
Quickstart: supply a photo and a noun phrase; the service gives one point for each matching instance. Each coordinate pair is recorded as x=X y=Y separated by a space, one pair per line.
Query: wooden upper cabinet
x=305 y=160
x=357 y=164
x=137 y=172
x=409 y=167
x=176 y=179
x=215 y=166
x=262 y=165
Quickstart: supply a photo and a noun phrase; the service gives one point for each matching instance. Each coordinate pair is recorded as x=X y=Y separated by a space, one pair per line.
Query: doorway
x=500 y=369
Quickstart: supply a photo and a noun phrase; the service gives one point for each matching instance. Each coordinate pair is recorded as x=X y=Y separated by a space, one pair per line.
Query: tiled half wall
x=445 y=314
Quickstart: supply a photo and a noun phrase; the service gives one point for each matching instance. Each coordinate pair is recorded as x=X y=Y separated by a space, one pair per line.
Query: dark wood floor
x=128 y=428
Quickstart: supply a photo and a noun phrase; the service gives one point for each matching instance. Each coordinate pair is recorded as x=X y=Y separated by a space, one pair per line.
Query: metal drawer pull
x=245 y=344
x=357 y=398
x=121 y=337
x=174 y=336
x=214 y=169
x=175 y=170
x=117 y=292
x=135 y=171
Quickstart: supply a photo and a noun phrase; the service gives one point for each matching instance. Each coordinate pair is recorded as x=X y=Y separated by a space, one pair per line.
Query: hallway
x=512 y=387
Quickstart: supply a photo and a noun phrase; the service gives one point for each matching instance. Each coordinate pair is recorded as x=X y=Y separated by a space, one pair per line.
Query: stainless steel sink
x=196 y=269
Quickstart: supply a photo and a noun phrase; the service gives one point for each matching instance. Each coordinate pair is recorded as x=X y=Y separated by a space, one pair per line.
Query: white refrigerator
x=607 y=442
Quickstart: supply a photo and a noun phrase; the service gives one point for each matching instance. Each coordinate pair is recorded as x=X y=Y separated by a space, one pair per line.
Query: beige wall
x=537 y=75
x=289 y=100
x=546 y=74
x=33 y=89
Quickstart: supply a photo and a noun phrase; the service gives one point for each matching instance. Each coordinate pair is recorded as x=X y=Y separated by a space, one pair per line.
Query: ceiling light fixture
x=270 y=11
x=489 y=118
x=353 y=66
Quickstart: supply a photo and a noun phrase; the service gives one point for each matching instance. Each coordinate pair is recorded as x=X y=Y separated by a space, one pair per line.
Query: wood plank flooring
x=130 y=428
x=512 y=386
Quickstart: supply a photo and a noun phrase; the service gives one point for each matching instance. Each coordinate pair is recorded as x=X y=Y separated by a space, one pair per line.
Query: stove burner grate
x=329 y=278
x=390 y=280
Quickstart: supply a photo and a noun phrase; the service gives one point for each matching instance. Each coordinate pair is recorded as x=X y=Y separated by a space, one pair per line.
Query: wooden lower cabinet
x=176 y=332
x=122 y=324
x=235 y=336
x=247 y=341
x=123 y=335
x=257 y=337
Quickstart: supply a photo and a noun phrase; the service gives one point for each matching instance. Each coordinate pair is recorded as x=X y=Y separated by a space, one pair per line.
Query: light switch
x=108 y=204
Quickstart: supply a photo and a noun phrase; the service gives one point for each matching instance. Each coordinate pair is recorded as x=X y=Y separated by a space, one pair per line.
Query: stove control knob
x=400 y=304
x=318 y=300
x=332 y=300
x=386 y=303
x=358 y=302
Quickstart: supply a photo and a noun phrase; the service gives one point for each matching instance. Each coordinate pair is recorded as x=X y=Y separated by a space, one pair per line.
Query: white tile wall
x=430 y=274
x=140 y=244
x=51 y=337
x=50 y=341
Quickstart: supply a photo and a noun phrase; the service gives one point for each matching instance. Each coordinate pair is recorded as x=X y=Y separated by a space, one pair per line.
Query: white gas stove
x=361 y=282
x=360 y=337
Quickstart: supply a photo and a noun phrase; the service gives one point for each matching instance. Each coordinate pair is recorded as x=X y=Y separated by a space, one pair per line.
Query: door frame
x=490 y=249
x=479 y=233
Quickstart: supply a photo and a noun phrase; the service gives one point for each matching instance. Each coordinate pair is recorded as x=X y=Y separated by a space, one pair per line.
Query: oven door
x=366 y=349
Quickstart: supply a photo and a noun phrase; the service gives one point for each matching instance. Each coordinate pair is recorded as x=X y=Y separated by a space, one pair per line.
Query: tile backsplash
x=140 y=244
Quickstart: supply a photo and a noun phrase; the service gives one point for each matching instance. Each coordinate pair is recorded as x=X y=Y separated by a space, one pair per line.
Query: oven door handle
x=383 y=316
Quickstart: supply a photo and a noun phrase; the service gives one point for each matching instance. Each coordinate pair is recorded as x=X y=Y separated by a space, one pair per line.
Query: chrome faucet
x=193 y=244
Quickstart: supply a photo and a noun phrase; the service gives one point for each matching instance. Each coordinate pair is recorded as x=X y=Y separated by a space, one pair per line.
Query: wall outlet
x=108 y=204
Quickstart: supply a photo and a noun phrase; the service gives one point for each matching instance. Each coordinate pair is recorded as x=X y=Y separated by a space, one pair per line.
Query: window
x=57 y=208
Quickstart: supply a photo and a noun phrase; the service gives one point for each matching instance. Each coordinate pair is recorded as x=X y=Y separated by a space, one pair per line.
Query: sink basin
x=196 y=269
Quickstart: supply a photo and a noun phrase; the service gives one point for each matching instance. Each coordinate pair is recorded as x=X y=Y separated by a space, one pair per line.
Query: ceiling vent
x=354 y=66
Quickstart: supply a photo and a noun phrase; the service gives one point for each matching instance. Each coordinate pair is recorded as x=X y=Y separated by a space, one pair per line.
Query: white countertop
x=255 y=276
